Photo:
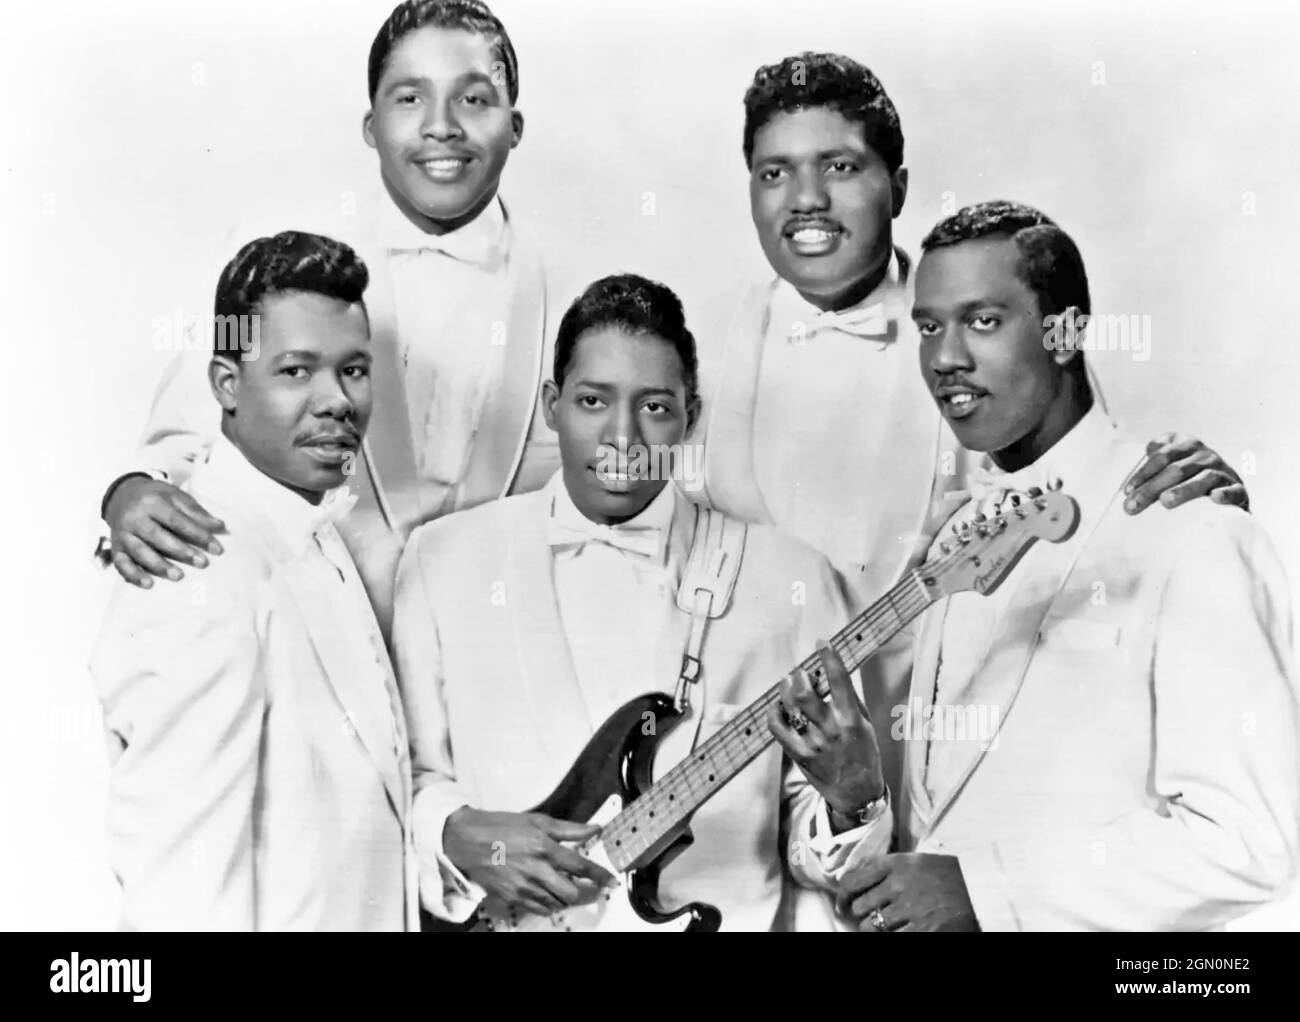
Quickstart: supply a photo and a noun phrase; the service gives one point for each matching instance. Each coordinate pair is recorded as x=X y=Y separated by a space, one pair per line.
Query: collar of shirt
x=481 y=242
x=657 y=517
x=294 y=518
x=798 y=320
x=1066 y=462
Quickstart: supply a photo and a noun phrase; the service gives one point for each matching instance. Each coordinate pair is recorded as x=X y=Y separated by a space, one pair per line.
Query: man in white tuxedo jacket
x=457 y=309
x=816 y=421
x=523 y=624
x=260 y=778
x=1138 y=769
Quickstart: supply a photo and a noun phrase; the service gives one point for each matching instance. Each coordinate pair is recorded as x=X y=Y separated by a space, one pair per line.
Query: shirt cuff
x=838 y=853
x=100 y=531
x=153 y=473
x=444 y=890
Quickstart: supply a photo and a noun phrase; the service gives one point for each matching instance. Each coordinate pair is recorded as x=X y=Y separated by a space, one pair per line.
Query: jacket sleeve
x=177 y=671
x=444 y=890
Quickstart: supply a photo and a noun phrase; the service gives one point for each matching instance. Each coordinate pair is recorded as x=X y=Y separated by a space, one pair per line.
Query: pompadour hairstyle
x=289 y=261
x=809 y=80
x=635 y=305
x=1050 y=263
x=469 y=15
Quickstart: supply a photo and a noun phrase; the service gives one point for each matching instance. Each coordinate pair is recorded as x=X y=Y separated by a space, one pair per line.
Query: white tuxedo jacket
x=497 y=716
x=1145 y=773
x=255 y=780
x=513 y=449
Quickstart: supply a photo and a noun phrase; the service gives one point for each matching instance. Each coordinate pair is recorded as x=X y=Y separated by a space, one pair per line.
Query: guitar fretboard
x=693 y=781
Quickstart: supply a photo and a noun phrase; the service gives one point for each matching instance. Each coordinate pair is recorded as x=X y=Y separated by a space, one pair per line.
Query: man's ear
x=550 y=395
x=367 y=128
x=694 y=407
x=897 y=191
x=223 y=379
x=517 y=127
x=1072 y=326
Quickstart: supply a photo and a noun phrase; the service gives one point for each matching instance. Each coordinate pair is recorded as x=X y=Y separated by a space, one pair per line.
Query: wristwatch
x=869 y=813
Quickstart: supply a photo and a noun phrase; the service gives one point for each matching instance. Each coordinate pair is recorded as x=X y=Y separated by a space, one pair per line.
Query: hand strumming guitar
x=519 y=858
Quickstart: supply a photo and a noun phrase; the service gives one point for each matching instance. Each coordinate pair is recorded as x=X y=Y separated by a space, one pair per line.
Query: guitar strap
x=706 y=588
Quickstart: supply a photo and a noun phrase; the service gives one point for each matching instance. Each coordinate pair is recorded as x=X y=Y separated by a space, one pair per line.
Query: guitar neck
x=695 y=780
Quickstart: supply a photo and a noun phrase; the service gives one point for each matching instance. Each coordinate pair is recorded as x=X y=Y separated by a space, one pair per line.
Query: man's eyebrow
x=303 y=353
x=667 y=391
x=961 y=308
x=408 y=81
x=475 y=76
x=843 y=150
x=471 y=77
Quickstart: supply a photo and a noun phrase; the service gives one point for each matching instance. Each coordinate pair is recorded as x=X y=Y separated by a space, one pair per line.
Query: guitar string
x=744 y=738
x=740 y=749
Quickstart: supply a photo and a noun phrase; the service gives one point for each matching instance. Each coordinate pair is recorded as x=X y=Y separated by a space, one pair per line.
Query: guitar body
x=613 y=770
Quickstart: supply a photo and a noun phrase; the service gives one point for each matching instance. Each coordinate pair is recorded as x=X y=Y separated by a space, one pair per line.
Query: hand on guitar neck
x=519 y=858
x=833 y=742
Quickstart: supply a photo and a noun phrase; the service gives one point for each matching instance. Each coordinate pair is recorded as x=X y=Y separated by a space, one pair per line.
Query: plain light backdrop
x=1162 y=136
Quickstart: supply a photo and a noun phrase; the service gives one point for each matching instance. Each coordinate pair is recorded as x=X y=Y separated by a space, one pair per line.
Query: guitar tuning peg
x=1015 y=500
x=980 y=517
x=1034 y=491
x=1054 y=485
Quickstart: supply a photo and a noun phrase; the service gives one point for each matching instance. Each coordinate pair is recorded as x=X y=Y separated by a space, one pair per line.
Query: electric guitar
x=644 y=825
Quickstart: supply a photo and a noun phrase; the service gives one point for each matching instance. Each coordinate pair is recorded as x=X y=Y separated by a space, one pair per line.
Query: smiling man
x=259 y=776
x=457 y=313
x=523 y=624
x=1145 y=774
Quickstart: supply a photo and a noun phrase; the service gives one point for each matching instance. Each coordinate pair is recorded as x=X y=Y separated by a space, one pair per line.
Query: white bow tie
x=333 y=508
x=643 y=540
x=869 y=323
x=988 y=485
x=475 y=248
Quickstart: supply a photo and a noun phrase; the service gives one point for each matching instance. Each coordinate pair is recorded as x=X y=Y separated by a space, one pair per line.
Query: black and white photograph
x=597 y=466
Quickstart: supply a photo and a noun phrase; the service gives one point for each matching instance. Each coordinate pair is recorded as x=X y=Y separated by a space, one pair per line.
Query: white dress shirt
x=452 y=295
x=825 y=380
x=971 y=620
x=614 y=602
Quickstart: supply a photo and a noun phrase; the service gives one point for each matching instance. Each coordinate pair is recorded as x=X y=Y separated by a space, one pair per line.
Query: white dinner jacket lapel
x=347 y=666
x=541 y=651
x=388 y=449
x=1035 y=588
